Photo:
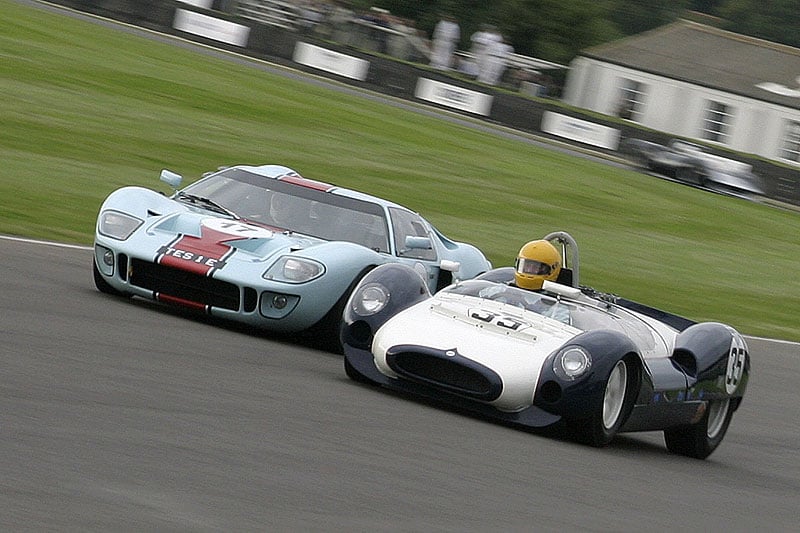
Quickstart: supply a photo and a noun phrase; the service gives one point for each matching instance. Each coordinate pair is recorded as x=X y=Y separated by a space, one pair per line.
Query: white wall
x=678 y=108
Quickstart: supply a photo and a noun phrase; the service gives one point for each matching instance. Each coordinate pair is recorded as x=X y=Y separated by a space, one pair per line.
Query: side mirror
x=449 y=266
x=418 y=243
x=171 y=178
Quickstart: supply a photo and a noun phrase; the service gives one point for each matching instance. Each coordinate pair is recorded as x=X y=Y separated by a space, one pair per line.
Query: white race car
x=497 y=350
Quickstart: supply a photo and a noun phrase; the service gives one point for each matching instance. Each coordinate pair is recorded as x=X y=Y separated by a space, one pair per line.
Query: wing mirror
x=449 y=266
x=171 y=178
x=418 y=243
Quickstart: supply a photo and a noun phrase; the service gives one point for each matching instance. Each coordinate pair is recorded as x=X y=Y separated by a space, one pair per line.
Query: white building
x=698 y=82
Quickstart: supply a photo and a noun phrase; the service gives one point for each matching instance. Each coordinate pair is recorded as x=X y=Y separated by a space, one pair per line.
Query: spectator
x=445 y=37
x=478 y=50
x=496 y=61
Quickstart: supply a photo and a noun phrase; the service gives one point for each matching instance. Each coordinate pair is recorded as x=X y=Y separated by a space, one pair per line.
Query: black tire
x=102 y=285
x=701 y=439
x=685 y=174
x=620 y=389
x=325 y=335
x=641 y=160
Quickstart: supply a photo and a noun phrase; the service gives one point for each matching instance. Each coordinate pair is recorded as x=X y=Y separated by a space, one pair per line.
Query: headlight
x=118 y=225
x=290 y=269
x=371 y=298
x=572 y=362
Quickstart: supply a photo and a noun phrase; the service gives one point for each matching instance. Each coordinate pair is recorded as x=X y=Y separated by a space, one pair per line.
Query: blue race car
x=264 y=246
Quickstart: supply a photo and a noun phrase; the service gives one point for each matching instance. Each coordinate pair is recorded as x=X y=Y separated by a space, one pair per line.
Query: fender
x=715 y=359
x=570 y=398
x=400 y=285
x=141 y=202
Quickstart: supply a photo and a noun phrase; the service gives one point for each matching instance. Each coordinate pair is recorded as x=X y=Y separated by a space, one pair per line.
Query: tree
x=632 y=17
x=773 y=20
x=556 y=30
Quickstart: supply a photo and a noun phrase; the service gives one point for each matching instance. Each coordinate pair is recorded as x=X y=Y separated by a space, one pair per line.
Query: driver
x=536 y=262
x=283 y=211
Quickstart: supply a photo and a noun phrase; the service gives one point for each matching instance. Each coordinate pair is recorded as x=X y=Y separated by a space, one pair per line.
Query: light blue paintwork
x=255 y=248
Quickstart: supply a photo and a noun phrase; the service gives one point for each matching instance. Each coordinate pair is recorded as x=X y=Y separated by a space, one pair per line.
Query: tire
x=324 y=335
x=641 y=160
x=701 y=439
x=619 y=394
x=685 y=174
x=102 y=285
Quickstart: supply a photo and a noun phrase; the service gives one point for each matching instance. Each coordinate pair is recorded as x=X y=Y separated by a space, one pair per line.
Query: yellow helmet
x=537 y=261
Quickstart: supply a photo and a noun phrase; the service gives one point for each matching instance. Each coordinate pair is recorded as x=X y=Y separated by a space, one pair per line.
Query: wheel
x=618 y=397
x=325 y=333
x=700 y=439
x=102 y=285
x=641 y=160
x=685 y=174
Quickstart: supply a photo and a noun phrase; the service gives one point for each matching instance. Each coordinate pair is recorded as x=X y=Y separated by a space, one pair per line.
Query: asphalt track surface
x=125 y=415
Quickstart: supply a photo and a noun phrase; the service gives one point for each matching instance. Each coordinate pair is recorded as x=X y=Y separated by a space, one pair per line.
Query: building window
x=631 y=97
x=791 y=142
x=716 y=122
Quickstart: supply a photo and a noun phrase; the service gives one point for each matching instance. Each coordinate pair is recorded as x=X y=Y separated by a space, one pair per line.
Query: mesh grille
x=442 y=372
x=185 y=285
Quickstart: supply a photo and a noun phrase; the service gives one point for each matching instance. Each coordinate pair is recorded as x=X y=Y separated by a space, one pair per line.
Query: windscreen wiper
x=207 y=203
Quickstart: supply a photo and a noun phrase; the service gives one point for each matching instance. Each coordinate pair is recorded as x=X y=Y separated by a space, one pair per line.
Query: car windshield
x=286 y=206
x=584 y=315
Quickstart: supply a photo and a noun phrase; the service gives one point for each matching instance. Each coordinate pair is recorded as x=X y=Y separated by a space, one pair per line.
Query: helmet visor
x=532 y=267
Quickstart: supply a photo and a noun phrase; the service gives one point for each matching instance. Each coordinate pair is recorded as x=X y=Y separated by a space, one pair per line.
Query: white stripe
x=46 y=243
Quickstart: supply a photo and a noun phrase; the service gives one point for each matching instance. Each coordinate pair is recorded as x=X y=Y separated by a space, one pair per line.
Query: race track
x=123 y=415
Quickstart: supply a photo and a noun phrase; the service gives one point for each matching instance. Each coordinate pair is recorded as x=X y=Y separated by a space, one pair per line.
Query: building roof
x=710 y=57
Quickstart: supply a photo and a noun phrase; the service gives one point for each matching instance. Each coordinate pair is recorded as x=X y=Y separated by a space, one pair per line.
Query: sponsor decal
x=453 y=96
x=579 y=130
x=209 y=252
x=330 y=61
x=211 y=27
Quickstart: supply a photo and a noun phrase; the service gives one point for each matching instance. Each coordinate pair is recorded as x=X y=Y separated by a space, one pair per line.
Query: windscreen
x=286 y=206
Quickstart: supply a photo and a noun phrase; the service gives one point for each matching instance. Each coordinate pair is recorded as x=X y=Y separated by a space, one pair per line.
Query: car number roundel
x=736 y=362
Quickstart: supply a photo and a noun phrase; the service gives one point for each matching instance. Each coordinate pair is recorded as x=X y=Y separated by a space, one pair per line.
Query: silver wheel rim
x=614 y=397
x=717 y=412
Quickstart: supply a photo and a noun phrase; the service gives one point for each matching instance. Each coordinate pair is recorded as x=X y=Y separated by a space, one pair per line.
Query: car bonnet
x=188 y=236
x=510 y=341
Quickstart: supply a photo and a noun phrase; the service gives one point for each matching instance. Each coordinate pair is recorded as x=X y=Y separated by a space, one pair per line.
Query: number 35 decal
x=736 y=361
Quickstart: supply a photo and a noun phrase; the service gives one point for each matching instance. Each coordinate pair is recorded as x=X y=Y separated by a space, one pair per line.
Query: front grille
x=185 y=285
x=453 y=373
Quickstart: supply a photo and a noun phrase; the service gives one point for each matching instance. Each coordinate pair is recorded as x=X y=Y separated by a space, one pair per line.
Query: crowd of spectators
x=487 y=61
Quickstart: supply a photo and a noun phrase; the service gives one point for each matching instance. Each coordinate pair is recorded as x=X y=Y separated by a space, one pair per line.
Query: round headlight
x=371 y=298
x=572 y=362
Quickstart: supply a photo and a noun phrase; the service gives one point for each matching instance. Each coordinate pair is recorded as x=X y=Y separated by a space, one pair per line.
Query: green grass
x=87 y=109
